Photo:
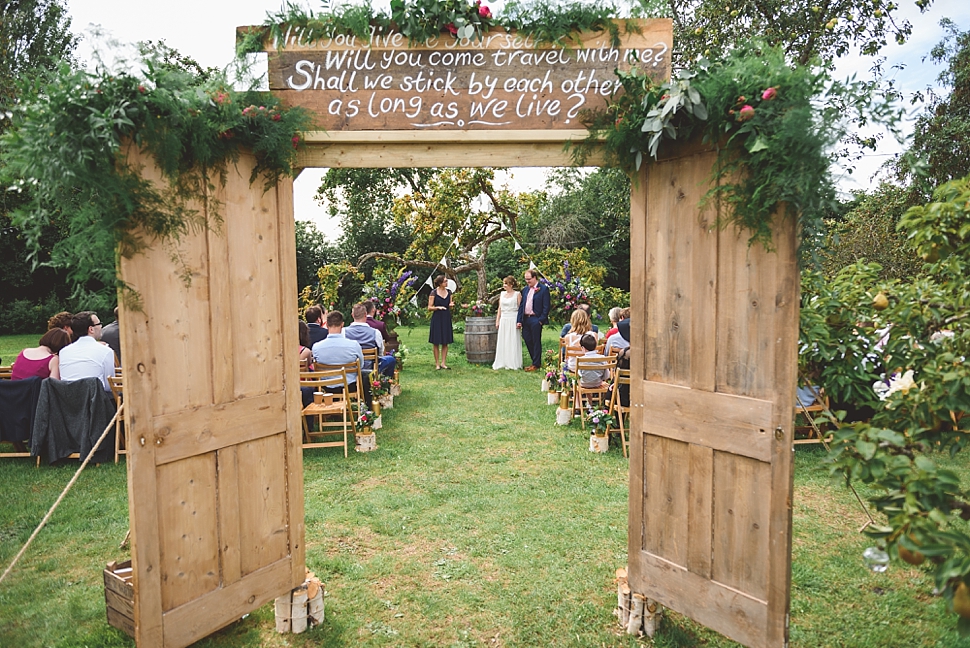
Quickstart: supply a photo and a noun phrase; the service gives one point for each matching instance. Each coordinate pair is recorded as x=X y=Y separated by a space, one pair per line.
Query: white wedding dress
x=508 y=349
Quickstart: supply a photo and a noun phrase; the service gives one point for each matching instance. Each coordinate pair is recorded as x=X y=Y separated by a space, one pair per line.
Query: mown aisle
x=477 y=522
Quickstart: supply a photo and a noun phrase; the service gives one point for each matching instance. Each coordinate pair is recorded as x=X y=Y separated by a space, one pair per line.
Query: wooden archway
x=215 y=467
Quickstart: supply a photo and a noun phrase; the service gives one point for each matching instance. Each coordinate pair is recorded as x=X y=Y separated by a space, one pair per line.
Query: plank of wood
x=700 y=514
x=262 y=506
x=230 y=536
x=741 y=519
x=736 y=615
x=431 y=155
x=444 y=137
x=123 y=605
x=222 y=314
x=186 y=624
x=294 y=403
x=720 y=421
x=205 y=429
x=667 y=476
x=188 y=530
x=118 y=620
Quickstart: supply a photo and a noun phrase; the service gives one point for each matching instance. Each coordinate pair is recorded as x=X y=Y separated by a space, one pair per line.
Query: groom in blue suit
x=533 y=313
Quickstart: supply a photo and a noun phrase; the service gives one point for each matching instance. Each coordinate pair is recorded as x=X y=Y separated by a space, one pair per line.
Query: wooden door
x=715 y=337
x=215 y=473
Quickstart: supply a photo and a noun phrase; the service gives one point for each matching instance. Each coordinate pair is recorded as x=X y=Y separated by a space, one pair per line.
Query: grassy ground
x=11 y=345
x=478 y=522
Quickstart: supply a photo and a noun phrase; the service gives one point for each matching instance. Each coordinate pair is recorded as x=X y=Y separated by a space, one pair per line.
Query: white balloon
x=452 y=286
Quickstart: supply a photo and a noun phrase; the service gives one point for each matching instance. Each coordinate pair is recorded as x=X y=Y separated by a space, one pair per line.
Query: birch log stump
x=637 y=614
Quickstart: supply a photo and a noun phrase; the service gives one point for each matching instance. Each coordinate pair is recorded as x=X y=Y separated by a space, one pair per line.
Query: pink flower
x=277 y=117
x=769 y=94
x=450 y=27
x=484 y=12
x=141 y=89
x=296 y=141
x=746 y=113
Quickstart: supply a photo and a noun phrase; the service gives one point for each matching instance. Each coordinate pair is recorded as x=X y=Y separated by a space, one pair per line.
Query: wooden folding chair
x=117 y=390
x=811 y=429
x=304 y=365
x=6 y=373
x=583 y=396
x=570 y=353
x=620 y=411
x=371 y=356
x=356 y=393
x=330 y=405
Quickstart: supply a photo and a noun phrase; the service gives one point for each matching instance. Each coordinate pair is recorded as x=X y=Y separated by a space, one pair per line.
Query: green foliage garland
x=420 y=20
x=67 y=146
x=774 y=125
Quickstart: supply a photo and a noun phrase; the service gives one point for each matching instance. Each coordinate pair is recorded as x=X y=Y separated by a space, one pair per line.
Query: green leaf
x=866 y=448
x=759 y=144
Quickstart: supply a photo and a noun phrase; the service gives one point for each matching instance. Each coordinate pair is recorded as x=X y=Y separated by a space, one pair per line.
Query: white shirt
x=87 y=358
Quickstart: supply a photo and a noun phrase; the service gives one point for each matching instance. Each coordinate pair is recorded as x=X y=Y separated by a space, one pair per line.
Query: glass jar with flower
x=599 y=421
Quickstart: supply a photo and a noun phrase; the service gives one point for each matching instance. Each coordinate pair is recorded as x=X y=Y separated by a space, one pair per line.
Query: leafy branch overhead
x=67 y=147
x=775 y=121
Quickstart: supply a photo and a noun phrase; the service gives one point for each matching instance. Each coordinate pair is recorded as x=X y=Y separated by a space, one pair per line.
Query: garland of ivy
x=65 y=150
x=558 y=24
x=775 y=126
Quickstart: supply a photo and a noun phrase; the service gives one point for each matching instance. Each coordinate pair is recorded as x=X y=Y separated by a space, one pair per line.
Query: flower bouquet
x=365 y=440
x=550 y=364
x=599 y=422
x=478 y=309
x=380 y=389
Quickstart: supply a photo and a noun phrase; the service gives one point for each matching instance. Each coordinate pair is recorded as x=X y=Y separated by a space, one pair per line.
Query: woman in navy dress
x=439 y=303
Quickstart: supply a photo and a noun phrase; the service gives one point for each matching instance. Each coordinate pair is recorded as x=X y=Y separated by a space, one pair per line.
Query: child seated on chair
x=592 y=378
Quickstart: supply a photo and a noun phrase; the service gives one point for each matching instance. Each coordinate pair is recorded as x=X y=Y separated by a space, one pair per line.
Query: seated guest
x=337 y=349
x=314 y=320
x=616 y=342
x=62 y=321
x=306 y=349
x=369 y=338
x=111 y=336
x=623 y=357
x=592 y=378
x=569 y=325
x=42 y=361
x=579 y=325
x=374 y=323
x=614 y=316
x=86 y=357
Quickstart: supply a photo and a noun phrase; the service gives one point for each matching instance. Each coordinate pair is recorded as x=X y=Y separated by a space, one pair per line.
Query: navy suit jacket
x=540 y=304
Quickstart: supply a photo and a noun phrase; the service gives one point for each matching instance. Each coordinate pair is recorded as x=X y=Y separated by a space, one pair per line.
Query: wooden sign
x=501 y=82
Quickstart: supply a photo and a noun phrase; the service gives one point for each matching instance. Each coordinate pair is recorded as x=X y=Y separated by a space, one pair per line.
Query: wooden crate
x=119 y=596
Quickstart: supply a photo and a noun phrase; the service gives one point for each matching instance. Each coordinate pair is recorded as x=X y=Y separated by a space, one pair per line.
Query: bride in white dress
x=508 y=349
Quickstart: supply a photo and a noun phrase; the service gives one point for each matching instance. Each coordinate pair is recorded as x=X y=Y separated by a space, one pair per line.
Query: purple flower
x=596 y=420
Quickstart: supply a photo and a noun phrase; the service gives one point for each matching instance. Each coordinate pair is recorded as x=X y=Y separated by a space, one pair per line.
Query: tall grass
x=477 y=522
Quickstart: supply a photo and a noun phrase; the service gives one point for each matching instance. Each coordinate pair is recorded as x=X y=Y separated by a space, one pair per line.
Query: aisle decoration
x=365 y=440
x=599 y=421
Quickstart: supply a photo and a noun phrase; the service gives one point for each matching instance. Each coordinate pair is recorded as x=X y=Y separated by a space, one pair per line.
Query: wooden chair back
x=371 y=356
x=619 y=411
x=812 y=429
x=582 y=396
x=6 y=372
x=356 y=390
x=333 y=404
x=117 y=383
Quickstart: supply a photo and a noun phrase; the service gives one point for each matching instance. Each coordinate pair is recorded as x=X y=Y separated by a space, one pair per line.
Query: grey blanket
x=70 y=417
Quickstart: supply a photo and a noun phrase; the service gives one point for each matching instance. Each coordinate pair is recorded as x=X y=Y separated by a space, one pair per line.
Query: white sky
x=205 y=30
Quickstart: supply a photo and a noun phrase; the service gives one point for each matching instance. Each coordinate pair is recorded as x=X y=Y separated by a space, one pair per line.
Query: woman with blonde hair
x=579 y=325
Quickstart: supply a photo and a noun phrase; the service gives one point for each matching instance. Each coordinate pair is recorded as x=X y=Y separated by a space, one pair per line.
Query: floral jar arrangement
x=599 y=422
x=365 y=440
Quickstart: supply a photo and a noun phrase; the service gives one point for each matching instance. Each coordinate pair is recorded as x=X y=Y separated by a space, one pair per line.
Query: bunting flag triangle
x=444 y=262
x=427 y=282
x=503 y=226
x=517 y=246
x=532 y=265
x=414 y=300
x=457 y=242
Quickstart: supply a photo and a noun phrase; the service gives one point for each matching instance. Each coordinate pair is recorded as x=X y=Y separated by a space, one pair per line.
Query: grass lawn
x=12 y=345
x=477 y=522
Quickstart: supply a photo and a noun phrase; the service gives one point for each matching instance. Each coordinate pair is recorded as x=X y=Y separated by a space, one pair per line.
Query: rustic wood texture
x=215 y=465
x=713 y=386
x=499 y=82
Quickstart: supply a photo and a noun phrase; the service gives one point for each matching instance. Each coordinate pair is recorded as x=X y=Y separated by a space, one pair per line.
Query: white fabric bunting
x=517 y=246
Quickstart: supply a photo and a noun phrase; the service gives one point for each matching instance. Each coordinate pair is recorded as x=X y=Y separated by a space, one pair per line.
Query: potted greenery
x=365 y=440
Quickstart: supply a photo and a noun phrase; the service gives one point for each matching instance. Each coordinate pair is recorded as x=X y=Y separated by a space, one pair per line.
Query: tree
x=589 y=210
x=362 y=199
x=443 y=223
x=34 y=37
x=312 y=252
x=941 y=136
x=806 y=29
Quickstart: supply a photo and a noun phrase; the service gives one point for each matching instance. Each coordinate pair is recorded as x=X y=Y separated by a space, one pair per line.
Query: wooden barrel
x=480 y=339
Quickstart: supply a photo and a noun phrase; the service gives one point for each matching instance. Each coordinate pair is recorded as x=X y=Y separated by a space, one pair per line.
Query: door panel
x=214 y=463
x=715 y=322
